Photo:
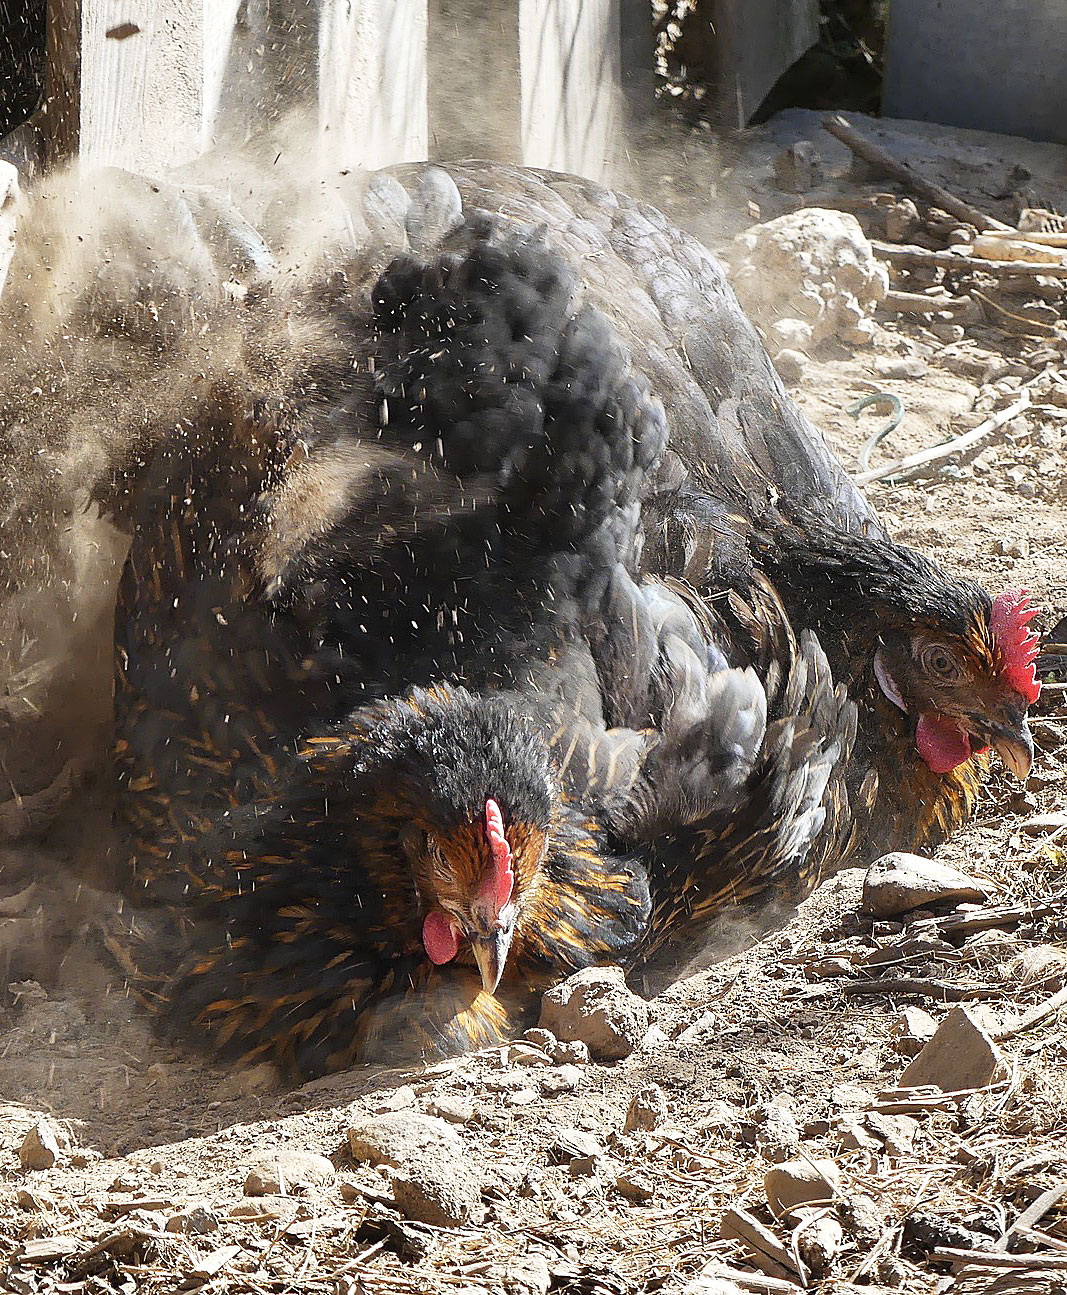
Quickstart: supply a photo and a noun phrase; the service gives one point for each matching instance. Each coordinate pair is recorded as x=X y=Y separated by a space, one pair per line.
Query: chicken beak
x=491 y=953
x=1016 y=749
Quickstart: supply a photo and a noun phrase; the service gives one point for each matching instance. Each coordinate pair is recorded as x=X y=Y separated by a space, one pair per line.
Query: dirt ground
x=787 y=1050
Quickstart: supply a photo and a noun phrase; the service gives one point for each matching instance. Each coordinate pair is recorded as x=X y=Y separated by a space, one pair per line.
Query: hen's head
x=965 y=678
x=470 y=791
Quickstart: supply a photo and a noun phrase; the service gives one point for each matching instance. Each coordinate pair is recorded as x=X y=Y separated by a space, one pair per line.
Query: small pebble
x=40 y=1147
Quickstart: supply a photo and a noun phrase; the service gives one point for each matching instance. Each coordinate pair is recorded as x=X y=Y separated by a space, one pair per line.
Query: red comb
x=1017 y=643
x=502 y=881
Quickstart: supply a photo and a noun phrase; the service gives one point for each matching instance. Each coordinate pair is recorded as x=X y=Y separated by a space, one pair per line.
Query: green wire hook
x=877 y=398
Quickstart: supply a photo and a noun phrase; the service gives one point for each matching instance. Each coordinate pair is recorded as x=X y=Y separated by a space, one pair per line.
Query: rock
x=564 y=1079
x=819 y=1241
x=924 y=1232
x=523 y=1097
x=434 y=1181
x=902 y=220
x=654 y=1039
x=720 y=1114
x=597 y=1007
x=277 y=1173
x=249 y=1081
x=400 y=1099
x=792 y=333
x=197 y=1220
x=849 y=1096
x=814 y=265
x=911 y=1031
x=800 y=1182
x=945 y=331
x=895 y=1132
x=442 y=1190
x=572 y=1144
x=860 y=333
x=34 y=1201
x=574 y=1053
x=960 y=1055
x=865 y=1219
x=265 y=1209
x=402 y=1137
x=776 y=1131
x=648 y=1107
x=635 y=1186
x=790 y=365
x=900 y=882
x=583 y=1166
x=530 y=1273
x=798 y=168
x=453 y=1109
x=875 y=1132
x=505 y=1082
x=900 y=366
x=40 y=1148
x=854 y=1137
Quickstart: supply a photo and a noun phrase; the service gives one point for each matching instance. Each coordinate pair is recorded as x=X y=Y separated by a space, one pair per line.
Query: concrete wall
x=998 y=65
x=755 y=42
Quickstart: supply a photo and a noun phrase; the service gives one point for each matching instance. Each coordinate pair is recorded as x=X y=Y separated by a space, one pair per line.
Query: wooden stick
x=953 y=924
x=1036 y=1212
x=994 y=1259
x=1047 y=240
x=911 y=463
x=1034 y=1015
x=907 y=175
x=758 y=1283
x=908 y=254
x=997 y=246
x=918 y=303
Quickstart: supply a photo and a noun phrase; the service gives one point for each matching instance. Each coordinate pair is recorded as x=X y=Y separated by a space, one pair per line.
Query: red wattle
x=942 y=742
x=439 y=938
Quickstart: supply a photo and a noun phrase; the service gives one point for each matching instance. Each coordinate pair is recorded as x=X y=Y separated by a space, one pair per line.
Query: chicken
x=541 y=753
x=939 y=670
x=452 y=565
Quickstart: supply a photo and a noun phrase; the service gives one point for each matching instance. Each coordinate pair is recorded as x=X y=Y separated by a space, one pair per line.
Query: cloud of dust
x=129 y=303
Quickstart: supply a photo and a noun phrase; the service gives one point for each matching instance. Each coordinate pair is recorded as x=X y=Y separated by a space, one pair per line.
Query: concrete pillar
x=372 y=81
x=151 y=72
x=539 y=82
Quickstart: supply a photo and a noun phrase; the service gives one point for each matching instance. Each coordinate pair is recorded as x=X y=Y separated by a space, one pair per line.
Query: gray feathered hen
x=748 y=492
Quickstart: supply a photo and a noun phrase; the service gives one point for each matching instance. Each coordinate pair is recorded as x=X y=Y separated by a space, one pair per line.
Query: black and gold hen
x=348 y=875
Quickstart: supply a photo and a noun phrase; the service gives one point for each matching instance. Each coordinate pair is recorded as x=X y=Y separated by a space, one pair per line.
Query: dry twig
x=913 y=464
x=889 y=165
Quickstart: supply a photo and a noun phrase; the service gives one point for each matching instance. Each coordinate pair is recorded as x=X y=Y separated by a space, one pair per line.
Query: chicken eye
x=940 y=662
